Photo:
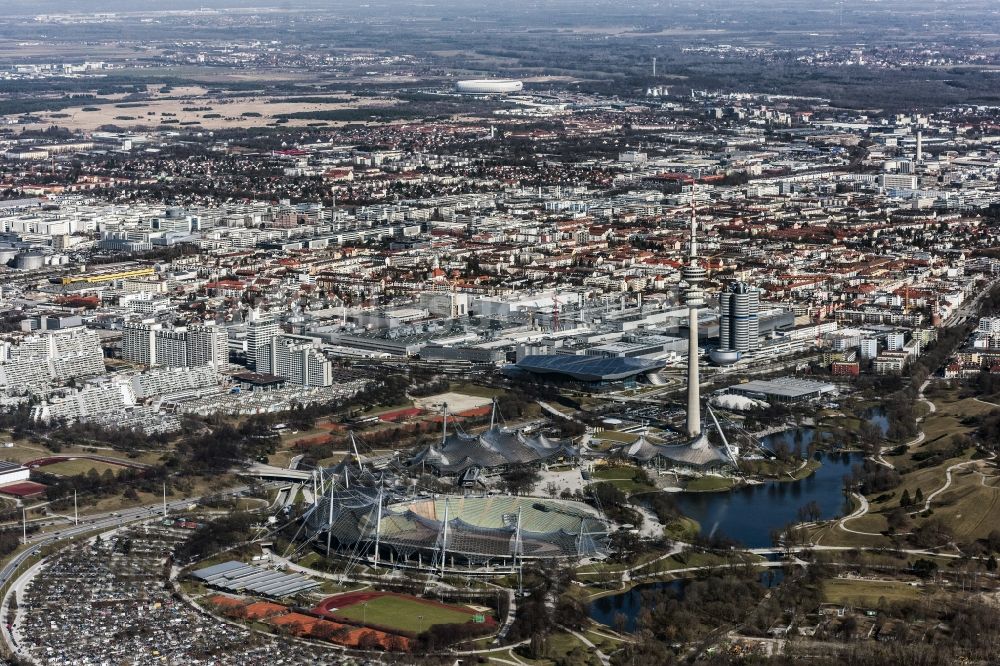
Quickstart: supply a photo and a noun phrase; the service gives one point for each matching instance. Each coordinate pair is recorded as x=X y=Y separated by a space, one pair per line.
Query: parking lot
x=109 y=602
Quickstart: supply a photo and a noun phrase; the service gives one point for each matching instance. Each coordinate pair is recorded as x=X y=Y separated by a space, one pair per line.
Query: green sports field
x=403 y=614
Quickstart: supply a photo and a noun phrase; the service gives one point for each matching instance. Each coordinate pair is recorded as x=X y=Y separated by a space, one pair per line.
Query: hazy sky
x=969 y=8
x=91 y=6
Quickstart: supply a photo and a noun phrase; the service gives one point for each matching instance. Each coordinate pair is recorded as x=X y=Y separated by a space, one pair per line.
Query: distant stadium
x=489 y=86
x=493 y=532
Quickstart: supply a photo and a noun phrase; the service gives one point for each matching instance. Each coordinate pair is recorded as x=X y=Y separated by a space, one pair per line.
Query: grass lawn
x=615 y=436
x=561 y=645
x=621 y=478
x=832 y=535
x=870 y=522
x=289 y=437
x=710 y=484
x=867 y=592
x=251 y=504
x=404 y=614
x=382 y=409
x=618 y=567
x=199 y=487
x=475 y=390
x=792 y=471
x=602 y=641
x=806 y=471
x=946 y=421
x=927 y=479
x=628 y=486
x=964 y=407
x=682 y=529
x=968 y=507
x=645 y=566
x=311 y=560
x=24 y=451
x=940 y=425
x=687 y=560
x=507 y=657
x=79 y=466
x=282 y=458
x=607 y=473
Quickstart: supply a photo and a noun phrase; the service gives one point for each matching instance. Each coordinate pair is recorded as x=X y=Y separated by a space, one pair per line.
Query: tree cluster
x=218 y=534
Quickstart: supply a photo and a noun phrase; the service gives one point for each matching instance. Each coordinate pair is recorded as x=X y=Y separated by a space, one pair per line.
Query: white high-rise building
x=138 y=343
x=171 y=348
x=208 y=344
x=297 y=359
x=151 y=344
x=869 y=348
x=261 y=329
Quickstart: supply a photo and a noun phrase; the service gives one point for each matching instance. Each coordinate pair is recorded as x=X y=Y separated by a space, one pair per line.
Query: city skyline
x=573 y=333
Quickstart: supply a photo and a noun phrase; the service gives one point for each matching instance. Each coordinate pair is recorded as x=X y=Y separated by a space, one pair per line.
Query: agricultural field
x=193 y=105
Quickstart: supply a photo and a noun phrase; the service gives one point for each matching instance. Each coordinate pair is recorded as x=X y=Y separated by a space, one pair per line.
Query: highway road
x=92 y=523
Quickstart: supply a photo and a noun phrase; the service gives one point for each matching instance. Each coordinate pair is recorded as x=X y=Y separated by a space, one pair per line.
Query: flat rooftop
x=790 y=387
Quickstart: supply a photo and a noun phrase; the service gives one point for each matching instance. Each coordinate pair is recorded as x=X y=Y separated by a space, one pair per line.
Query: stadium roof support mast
x=357 y=456
x=329 y=521
x=444 y=429
x=378 y=525
x=444 y=537
x=518 y=553
x=693 y=275
x=730 y=450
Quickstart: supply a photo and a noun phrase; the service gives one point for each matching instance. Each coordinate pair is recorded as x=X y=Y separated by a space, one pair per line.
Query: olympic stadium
x=476 y=535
